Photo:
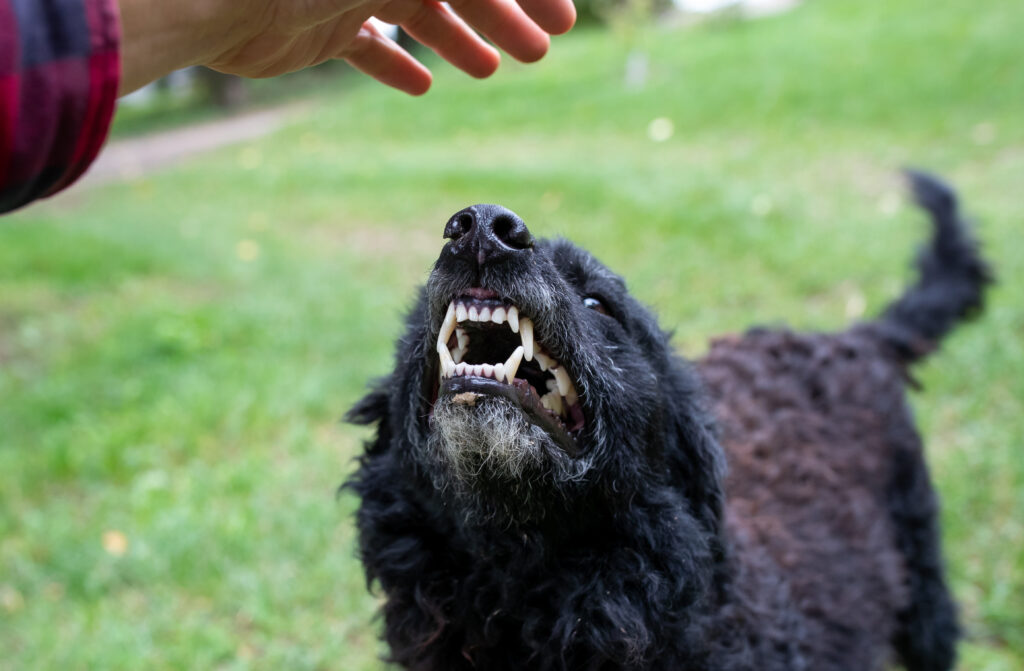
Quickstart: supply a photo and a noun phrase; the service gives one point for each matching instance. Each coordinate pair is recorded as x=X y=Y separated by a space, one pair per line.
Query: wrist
x=158 y=37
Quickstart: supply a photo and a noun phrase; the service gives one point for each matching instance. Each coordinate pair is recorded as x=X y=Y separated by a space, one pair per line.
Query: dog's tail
x=952 y=277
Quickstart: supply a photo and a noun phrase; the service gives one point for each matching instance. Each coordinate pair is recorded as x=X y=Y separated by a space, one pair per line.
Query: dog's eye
x=592 y=303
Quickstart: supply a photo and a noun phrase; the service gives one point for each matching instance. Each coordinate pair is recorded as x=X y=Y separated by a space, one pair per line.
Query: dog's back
x=827 y=486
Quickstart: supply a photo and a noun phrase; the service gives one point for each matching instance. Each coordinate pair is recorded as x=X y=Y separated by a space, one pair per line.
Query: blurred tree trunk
x=225 y=91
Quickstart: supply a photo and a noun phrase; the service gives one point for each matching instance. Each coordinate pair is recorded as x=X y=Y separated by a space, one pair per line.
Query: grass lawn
x=175 y=352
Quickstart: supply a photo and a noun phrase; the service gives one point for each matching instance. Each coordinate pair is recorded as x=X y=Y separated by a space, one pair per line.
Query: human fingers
x=553 y=16
x=375 y=54
x=435 y=26
x=506 y=24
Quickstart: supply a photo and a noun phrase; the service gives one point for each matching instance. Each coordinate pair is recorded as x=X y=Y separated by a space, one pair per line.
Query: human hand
x=264 y=38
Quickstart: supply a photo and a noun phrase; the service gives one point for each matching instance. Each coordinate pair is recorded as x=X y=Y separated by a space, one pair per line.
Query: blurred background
x=181 y=333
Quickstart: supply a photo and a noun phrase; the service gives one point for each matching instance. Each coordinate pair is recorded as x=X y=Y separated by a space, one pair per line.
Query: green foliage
x=610 y=11
x=175 y=351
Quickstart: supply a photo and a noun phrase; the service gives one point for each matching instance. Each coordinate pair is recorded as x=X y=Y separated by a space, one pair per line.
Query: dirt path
x=140 y=156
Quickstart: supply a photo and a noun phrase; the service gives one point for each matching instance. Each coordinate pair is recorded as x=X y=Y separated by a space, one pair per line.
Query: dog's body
x=598 y=527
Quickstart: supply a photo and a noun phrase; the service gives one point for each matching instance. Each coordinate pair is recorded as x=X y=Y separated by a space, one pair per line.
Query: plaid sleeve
x=59 y=72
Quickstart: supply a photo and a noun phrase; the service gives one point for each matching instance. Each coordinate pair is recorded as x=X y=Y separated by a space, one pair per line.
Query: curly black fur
x=629 y=547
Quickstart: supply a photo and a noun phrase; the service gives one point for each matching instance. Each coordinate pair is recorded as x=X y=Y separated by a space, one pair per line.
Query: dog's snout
x=487 y=233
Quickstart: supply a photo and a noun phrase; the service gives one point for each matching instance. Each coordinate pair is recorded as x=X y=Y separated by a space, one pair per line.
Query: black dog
x=548 y=487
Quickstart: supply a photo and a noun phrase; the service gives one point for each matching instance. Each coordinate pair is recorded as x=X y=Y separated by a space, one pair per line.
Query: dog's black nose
x=487 y=233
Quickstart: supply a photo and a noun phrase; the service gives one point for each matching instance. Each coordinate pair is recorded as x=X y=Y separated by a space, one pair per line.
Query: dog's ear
x=374 y=408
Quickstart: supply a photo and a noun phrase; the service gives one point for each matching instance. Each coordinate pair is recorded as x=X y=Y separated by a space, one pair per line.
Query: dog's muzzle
x=486 y=344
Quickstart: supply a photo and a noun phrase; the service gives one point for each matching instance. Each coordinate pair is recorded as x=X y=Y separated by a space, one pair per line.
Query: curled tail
x=952 y=277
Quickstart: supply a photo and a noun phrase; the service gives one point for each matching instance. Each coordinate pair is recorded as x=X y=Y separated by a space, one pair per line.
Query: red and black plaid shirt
x=59 y=70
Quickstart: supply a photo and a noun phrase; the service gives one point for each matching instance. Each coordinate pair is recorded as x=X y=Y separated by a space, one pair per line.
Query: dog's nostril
x=511 y=231
x=458 y=226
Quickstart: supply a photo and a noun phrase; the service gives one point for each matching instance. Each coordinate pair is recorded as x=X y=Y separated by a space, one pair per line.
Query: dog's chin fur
x=494 y=462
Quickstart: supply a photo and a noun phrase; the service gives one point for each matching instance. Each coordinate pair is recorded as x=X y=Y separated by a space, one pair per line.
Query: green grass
x=175 y=351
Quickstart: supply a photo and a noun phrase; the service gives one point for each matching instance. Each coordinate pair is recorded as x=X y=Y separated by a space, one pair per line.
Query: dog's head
x=530 y=382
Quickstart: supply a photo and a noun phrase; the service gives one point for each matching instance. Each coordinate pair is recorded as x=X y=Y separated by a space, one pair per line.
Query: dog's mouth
x=487 y=347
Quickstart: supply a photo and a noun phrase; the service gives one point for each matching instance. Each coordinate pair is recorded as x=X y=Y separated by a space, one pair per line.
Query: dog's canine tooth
x=447 y=363
x=526 y=331
x=485 y=314
x=474 y=314
x=461 y=314
x=462 y=337
x=544 y=360
x=447 y=326
x=513 y=318
x=498 y=316
x=458 y=354
x=512 y=365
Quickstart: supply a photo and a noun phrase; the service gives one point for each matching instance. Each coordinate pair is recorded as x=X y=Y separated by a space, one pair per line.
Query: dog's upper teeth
x=447 y=326
x=498 y=316
x=474 y=314
x=526 y=331
x=544 y=361
x=447 y=364
x=513 y=319
x=485 y=314
x=461 y=313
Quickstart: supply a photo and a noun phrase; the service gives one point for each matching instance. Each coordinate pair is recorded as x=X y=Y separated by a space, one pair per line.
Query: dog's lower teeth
x=512 y=365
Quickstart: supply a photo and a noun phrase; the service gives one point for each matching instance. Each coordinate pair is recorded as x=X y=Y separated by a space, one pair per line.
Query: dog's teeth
x=474 y=315
x=553 y=402
x=499 y=371
x=447 y=364
x=526 y=331
x=462 y=337
x=461 y=314
x=447 y=326
x=487 y=370
x=512 y=365
x=485 y=314
x=460 y=368
x=498 y=316
x=551 y=385
x=513 y=318
x=544 y=360
x=570 y=396
x=458 y=354
x=562 y=380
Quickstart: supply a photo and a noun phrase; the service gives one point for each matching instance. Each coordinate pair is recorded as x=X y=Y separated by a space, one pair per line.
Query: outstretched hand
x=263 y=38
